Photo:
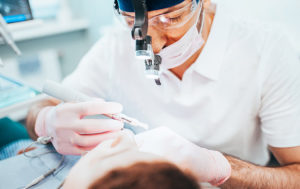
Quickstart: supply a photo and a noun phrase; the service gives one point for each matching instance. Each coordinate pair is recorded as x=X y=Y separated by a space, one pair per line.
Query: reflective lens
x=174 y=19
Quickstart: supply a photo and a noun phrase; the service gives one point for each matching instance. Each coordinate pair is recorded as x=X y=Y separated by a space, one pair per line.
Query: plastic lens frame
x=166 y=21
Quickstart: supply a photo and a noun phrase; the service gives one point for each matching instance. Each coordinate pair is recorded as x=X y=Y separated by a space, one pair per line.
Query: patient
x=148 y=175
x=118 y=164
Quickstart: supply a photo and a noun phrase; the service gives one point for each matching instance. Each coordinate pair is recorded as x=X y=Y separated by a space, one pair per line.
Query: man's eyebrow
x=126 y=14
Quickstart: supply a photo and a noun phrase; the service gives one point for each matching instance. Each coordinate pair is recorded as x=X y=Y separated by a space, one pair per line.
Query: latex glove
x=73 y=135
x=206 y=165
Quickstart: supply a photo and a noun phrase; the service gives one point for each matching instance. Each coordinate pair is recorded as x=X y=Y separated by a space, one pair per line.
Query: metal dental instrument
x=37 y=180
x=4 y=32
x=144 y=42
x=66 y=94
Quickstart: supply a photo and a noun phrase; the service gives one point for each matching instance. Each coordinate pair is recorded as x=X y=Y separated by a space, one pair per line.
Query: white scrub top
x=241 y=95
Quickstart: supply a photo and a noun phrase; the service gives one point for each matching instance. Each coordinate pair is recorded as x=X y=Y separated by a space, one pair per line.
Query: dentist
x=225 y=85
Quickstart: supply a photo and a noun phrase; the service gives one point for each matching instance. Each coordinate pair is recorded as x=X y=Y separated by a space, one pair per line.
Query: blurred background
x=60 y=34
x=285 y=13
x=62 y=31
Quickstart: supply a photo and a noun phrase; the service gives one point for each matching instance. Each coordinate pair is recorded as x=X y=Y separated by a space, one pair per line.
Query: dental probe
x=66 y=94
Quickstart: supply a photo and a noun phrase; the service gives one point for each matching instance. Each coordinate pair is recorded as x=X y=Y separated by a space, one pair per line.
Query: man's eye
x=129 y=17
x=175 y=19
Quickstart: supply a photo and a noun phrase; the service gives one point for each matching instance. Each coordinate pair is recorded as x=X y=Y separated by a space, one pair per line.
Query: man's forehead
x=127 y=6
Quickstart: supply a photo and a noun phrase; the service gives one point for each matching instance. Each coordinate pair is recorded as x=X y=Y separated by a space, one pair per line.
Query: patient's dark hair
x=145 y=175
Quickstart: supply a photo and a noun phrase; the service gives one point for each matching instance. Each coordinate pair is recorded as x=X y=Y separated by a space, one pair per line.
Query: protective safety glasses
x=166 y=21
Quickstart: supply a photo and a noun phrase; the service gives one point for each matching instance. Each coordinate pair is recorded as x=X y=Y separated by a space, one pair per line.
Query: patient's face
x=111 y=154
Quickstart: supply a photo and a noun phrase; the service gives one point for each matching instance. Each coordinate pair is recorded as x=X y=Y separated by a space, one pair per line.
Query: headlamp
x=144 y=42
x=143 y=48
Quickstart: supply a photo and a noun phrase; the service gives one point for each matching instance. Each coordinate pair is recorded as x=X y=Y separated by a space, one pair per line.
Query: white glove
x=206 y=165
x=73 y=135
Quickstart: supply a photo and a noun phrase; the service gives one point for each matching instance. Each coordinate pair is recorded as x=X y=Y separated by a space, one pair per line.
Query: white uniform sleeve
x=280 y=105
x=92 y=76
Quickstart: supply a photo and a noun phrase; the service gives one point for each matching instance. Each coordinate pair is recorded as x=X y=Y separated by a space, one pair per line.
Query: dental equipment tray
x=12 y=92
x=16 y=98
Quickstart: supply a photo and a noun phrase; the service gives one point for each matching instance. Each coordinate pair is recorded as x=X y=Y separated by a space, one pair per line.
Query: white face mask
x=179 y=52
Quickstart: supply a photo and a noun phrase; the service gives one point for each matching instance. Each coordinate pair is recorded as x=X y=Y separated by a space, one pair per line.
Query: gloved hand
x=73 y=135
x=206 y=165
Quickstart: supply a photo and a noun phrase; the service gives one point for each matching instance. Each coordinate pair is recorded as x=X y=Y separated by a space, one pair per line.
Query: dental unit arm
x=7 y=37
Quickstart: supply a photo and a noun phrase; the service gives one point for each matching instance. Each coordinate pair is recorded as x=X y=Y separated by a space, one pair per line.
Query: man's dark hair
x=145 y=175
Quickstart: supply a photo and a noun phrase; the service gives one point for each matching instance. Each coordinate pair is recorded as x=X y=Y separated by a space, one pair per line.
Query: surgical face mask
x=179 y=52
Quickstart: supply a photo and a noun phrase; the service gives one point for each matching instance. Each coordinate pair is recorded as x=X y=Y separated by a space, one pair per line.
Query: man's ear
x=209 y=6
